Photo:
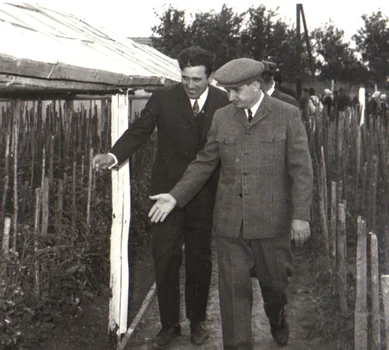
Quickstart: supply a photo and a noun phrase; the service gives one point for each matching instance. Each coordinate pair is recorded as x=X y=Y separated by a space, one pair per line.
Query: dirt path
x=303 y=311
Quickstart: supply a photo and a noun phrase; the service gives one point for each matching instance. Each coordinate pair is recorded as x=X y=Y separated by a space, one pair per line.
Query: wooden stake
x=341 y=259
x=360 y=312
x=45 y=206
x=322 y=203
x=17 y=106
x=36 y=234
x=375 y=294
x=373 y=194
x=332 y=232
x=6 y=178
x=74 y=207
x=385 y=299
x=5 y=254
x=90 y=186
x=60 y=206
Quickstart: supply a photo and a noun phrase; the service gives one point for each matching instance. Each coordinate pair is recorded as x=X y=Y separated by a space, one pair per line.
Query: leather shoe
x=280 y=333
x=165 y=336
x=199 y=334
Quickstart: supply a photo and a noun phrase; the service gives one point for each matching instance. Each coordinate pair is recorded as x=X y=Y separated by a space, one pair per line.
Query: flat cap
x=238 y=72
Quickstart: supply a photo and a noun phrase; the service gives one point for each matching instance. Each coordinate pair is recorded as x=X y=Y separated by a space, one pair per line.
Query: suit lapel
x=184 y=107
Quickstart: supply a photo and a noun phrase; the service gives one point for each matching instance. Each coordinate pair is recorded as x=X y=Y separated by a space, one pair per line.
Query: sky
x=134 y=18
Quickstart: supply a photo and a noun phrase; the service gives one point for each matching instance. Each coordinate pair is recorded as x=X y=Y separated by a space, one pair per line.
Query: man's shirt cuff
x=116 y=161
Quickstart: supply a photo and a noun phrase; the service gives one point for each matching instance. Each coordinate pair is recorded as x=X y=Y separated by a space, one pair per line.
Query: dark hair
x=196 y=56
x=312 y=91
x=278 y=78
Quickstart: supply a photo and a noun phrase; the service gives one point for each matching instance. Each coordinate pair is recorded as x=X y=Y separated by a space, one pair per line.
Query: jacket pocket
x=227 y=149
x=272 y=147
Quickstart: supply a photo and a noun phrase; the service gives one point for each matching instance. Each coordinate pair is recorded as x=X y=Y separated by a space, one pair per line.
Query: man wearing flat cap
x=263 y=196
x=269 y=86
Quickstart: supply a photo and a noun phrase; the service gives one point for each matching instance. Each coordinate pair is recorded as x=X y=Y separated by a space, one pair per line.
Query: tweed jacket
x=170 y=111
x=285 y=97
x=266 y=170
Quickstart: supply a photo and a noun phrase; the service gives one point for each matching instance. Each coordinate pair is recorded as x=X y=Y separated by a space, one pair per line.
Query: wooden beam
x=121 y=209
x=60 y=71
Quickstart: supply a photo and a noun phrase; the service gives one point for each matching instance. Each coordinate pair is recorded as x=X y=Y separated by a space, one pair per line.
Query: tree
x=218 y=33
x=173 y=34
x=334 y=57
x=372 y=42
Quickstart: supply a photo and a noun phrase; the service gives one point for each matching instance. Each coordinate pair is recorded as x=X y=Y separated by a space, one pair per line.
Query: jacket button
x=240 y=195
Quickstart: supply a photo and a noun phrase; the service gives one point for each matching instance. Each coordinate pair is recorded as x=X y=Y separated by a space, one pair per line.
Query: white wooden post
x=121 y=212
x=362 y=103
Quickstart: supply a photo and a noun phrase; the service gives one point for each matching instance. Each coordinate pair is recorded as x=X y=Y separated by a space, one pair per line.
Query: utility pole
x=299 y=15
x=298 y=51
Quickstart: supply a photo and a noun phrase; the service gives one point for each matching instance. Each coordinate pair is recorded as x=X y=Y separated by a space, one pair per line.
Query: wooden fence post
x=385 y=299
x=341 y=259
x=360 y=311
x=322 y=191
x=375 y=294
x=119 y=280
x=332 y=231
x=5 y=253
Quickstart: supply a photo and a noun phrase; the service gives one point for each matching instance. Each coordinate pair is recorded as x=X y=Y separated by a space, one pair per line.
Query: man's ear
x=210 y=78
x=257 y=85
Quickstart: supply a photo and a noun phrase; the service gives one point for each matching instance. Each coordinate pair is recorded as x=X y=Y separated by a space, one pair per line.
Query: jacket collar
x=263 y=110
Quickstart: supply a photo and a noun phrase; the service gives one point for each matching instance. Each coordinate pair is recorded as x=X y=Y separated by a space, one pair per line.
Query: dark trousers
x=272 y=261
x=191 y=226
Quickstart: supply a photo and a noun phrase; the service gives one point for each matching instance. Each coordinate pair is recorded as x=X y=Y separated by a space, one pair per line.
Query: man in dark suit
x=263 y=195
x=282 y=88
x=183 y=115
x=269 y=86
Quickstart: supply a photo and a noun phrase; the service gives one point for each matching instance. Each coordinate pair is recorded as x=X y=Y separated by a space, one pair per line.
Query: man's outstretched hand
x=102 y=161
x=164 y=204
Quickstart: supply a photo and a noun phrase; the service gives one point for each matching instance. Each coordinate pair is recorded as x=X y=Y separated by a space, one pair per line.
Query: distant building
x=142 y=40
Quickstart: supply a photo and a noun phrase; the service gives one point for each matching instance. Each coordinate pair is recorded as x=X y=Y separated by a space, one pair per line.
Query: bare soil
x=312 y=313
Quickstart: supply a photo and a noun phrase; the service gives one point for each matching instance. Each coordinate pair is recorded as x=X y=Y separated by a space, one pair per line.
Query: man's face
x=244 y=96
x=195 y=80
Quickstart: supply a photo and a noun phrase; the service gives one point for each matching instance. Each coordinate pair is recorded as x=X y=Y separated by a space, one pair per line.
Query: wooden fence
x=351 y=164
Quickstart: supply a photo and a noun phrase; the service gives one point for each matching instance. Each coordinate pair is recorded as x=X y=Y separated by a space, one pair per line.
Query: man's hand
x=301 y=231
x=161 y=209
x=102 y=161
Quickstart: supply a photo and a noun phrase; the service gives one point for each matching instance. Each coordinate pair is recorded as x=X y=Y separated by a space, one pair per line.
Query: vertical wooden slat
x=375 y=294
x=360 y=311
x=4 y=253
x=17 y=106
x=36 y=241
x=90 y=186
x=341 y=259
x=332 y=231
x=385 y=300
x=119 y=280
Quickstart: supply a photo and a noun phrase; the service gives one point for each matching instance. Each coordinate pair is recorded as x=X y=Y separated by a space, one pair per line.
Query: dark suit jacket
x=286 y=90
x=265 y=175
x=284 y=97
x=170 y=111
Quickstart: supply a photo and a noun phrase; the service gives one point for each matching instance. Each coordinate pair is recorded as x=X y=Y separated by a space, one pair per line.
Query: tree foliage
x=372 y=42
x=260 y=34
x=334 y=57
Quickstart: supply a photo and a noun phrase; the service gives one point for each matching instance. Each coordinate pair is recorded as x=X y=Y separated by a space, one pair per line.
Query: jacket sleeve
x=138 y=132
x=199 y=171
x=299 y=165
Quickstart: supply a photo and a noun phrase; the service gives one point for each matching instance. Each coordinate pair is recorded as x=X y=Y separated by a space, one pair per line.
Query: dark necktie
x=250 y=114
x=196 y=108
